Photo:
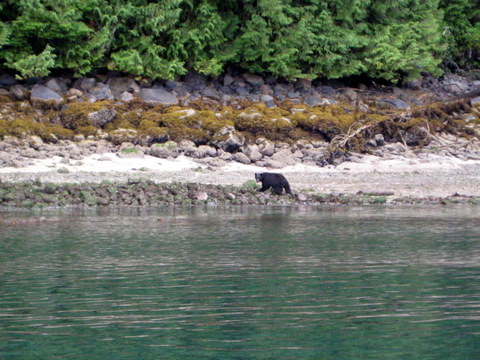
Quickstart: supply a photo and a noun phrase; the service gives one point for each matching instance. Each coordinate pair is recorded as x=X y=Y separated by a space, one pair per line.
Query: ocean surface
x=241 y=283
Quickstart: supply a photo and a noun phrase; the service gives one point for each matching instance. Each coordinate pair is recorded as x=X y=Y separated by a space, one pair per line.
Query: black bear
x=273 y=180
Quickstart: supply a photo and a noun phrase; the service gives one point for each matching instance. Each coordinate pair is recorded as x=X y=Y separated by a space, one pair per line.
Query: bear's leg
x=264 y=187
x=278 y=189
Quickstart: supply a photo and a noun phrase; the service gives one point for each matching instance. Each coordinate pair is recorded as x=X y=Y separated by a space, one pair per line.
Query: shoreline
x=370 y=179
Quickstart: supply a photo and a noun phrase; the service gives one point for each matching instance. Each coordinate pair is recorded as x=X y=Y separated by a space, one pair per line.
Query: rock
x=475 y=102
x=158 y=95
x=211 y=92
x=101 y=117
x=392 y=104
x=274 y=164
x=195 y=81
x=455 y=85
x=101 y=92
x=74 y=93
x=350 y=94
x=228 y=139
x=63 y=170
x=18 y=91
x=35 y=142
x=379 y=139
x=164 y=151
x=266 y=147
x=130 y=153
x=285 y=157
x=119 y=85
x=126 y=96
x=7 y=80
x=43 y=95
x=253 y=153
x=301 y=197
x=303 y=84
x=201 y=196
x=316 y=100
x=254 y=80
x=227 y=80
x=57 y=85
x=85 y=84
x=241 y=158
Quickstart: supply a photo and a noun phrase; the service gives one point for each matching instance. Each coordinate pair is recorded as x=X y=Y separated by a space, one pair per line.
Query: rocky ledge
x=136 y=192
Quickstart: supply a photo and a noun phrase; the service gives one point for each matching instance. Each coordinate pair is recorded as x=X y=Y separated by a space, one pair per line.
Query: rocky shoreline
x=62 y=138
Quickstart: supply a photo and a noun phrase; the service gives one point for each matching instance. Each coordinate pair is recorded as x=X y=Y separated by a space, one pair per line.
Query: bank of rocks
x=137 y=192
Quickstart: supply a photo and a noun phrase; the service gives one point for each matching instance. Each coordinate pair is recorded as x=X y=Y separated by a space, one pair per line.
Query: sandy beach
x=431 y=176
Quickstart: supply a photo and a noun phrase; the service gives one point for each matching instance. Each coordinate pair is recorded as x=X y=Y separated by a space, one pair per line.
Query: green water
x=230 y=283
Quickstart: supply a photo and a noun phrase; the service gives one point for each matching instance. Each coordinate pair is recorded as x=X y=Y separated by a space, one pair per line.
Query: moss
x=76 y=113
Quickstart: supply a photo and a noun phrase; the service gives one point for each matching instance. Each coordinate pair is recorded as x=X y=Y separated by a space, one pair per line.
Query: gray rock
x=158 y=95
x=63 y=170
x=475 y=102
x=195 y=81
x=392 y=104
x=211 y=92
x=201 y=196
x=301 y=197
x=316 y=100
x=285 y=157
x=274 y=164
x=227 y=80
x=254 y=80
x=164 y=151
x=119 y=85
x=18 y=91
x=101 y=117
x=57 y=85
x=126 y=96
x=130 y=153
x=74 y=93
x=379 y=139
x=85 y=84
x=253 y=153
x=101 y=92
x=241 y=158
x=7 y=80
x=266 y=147
x=229 y=139
x=42 y=94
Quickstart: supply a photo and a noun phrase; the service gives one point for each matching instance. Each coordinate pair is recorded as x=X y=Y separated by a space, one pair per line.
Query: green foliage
x=462 y=31
x=393 y=39
x=35 y=65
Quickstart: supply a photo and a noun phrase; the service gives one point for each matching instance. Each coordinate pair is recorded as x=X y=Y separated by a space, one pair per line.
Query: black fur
x=273 y=180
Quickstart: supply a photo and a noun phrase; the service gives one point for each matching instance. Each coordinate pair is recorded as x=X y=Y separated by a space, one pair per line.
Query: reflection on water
x=229 y=283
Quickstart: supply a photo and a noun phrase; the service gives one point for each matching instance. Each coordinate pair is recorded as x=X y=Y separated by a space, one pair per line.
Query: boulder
x=85 y=84
x=101 y=92
x=119 y=85
x=158 y=95
x=392 y=104
x=228 y=139
x=7 y=80
x=253 y=153
x=266 y=147
x=164 y=151
x=316 y=100
x=101 y=117
x=195 y=81
x=475 y=102
x=126 y=96
x=241 y=158
x=130 y=153
x=18 y=91
x=43 y=95
x=254 y=80
x=57 y=85
x=285 y=157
